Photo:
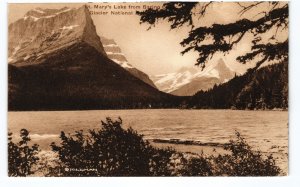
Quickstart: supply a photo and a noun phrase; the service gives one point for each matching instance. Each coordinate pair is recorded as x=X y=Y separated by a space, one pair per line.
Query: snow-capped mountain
x=43 y=31
x=189 y=80
x=57 y=62
x=114 y=52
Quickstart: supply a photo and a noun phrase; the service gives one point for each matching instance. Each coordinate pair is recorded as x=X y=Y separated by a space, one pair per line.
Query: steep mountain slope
x=43 y=31
x=69 y=70
x=188 y=81
x=114 y=52
x=265 y=88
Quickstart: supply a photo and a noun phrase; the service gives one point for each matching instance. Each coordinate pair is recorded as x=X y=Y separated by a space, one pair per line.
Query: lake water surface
x=262 y=129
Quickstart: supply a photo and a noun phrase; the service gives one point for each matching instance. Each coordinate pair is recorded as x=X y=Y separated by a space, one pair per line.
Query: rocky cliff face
x=114 y=52
x=43 y=31
x=57 y=62
x=188 y=81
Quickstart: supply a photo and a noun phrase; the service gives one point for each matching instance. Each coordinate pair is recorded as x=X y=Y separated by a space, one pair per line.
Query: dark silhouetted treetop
x=208 y=40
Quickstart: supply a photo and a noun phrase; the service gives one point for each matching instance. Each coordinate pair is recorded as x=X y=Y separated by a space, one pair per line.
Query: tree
x=21 y=156
x=208 y=40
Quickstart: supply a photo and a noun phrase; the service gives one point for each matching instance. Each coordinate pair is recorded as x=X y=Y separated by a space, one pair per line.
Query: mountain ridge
x=74 y=76
x=32 y=36
x=189 y=80
x=114 y=52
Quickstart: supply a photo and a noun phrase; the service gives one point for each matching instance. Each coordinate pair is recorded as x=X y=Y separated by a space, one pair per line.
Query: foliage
x=243 y=161
x=110 y=151
x=114 y=151
x=21 y=156
x=182 y=164
x=208 y=40
x=267 y=88
x=159 y=161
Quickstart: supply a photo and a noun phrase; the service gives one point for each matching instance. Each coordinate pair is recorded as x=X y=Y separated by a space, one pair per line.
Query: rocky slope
x=114 y=52
x=188 y=81
x=57 y=62
x=42 y=31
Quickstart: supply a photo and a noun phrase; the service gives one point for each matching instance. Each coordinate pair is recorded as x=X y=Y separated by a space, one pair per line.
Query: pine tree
x=209 y=40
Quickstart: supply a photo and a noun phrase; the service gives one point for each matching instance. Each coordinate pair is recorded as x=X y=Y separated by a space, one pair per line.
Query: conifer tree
x=221 y=38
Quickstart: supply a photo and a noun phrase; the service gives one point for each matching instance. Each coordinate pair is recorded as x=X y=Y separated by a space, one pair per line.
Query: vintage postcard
x=148 y=89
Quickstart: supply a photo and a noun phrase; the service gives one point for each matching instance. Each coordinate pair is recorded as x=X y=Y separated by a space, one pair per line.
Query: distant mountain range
x=57 y=62
x=189 y=80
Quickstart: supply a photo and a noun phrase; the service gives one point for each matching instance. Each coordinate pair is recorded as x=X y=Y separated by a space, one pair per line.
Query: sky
x=154 y=51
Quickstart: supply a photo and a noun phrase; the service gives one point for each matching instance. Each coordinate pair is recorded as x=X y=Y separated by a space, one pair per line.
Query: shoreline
x=178 y=108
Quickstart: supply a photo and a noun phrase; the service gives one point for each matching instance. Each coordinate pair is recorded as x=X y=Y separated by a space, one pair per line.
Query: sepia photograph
x=148 y=89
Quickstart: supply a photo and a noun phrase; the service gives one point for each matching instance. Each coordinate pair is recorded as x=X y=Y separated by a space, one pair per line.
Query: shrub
x=160 y=161
x=110 y=151
x=243 y=161
x=198 y=166
x=21 y=156
x=114 y=151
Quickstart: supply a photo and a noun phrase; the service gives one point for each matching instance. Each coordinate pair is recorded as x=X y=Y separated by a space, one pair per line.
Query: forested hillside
x=265 y=88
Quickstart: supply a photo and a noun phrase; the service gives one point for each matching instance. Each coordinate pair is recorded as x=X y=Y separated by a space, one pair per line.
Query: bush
x=187 y=164
x=198 y=166
x=21 y=157
x=160 y=161
x=114 y=151
x=243 y=161
x=111 y=151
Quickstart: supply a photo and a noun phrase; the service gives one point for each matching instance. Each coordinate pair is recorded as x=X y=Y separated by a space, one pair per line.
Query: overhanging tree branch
x=208 y=40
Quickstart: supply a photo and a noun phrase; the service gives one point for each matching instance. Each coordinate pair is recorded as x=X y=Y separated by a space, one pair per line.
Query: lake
x=264 y=130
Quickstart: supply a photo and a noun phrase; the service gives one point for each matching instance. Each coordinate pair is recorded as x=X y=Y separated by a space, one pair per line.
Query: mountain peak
x=114 y=52
x=45 y=13
x=57 y=62
x=43 y=31
x=189 y=80
x=225 y=73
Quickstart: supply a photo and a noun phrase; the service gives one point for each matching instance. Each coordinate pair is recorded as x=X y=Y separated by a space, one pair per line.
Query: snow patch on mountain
x=39 y=10
x=65 y=10
x=124 y=64
x=114 y=53
x=10 y=60
x=70 y=27
x=26 y=57
x=16 y=49
x=32 y=17
x=110 y=45
x=39 y=13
